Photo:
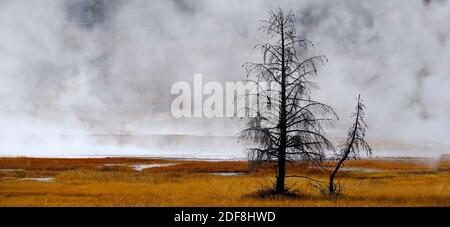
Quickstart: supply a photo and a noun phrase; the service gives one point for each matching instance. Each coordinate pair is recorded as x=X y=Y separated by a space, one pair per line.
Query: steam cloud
x=74 y=72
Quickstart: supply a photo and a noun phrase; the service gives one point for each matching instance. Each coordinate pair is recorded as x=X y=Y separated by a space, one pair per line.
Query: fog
x=93 y=77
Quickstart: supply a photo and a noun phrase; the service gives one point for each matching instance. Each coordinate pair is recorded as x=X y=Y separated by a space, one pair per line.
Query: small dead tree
x=353 y=146
x=286 y=124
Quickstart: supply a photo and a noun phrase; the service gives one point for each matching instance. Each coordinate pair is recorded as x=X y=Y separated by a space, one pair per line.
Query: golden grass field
x=113 y=182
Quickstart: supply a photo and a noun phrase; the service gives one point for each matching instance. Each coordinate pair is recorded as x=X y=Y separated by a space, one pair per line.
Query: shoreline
x=380 y=158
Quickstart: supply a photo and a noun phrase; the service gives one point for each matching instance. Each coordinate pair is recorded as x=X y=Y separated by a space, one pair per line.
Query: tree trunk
x=281 y=172
x=331 y=186
x=282 y=124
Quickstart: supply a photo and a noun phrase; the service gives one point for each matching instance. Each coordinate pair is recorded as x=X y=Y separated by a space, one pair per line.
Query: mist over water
x=93 y=77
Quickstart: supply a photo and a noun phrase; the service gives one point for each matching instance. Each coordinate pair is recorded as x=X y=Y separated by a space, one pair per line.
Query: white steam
x=73 y=72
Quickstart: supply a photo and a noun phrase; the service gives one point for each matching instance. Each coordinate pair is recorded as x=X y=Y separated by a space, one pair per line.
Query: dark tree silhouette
x=288 y=125
x=353 y=146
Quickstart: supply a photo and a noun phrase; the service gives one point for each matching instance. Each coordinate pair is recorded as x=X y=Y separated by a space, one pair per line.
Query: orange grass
x=88 y=182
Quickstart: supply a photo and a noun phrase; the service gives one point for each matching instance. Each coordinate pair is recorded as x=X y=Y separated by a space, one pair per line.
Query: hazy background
x=93 y=77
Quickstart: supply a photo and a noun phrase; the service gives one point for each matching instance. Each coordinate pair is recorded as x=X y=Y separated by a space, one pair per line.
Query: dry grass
x=88 y=182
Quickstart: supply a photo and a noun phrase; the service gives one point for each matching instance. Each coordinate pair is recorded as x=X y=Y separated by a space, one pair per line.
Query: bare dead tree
x=353 y=146
x=287 y=126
